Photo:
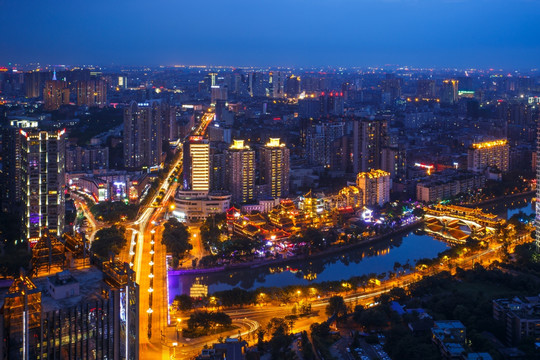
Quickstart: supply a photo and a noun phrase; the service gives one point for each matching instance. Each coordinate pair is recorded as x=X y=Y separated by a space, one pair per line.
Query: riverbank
x=329 y=251
x=501 y=199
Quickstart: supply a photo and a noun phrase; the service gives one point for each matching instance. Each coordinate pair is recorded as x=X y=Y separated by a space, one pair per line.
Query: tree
x=314 y=238
x=113 y=211
x=336 y=305
x=211 y=231
x=185 y=302
x=176 y=239
x=109 y=240
x=208 y=320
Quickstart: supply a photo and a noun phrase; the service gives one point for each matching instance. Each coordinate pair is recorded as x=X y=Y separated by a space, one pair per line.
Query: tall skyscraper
x=391 y=87
x=241 y=172
x=449 y=91
x=274 y=163
x=320 y=140
x=425 y=88
x=369 y=138
x=55 y=94
x=276 y=84
x=143 y=135
x=293 y=86
x=12 y=164
x=43 y=180
x=92 y=93
x=197 y=164
x=33 y=83
x=331 y=103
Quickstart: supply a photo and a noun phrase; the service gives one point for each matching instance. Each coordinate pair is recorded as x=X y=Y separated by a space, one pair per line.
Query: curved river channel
x=376 y=257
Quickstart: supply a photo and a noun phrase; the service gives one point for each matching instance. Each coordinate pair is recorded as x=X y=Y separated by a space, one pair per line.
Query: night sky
x=440 y=33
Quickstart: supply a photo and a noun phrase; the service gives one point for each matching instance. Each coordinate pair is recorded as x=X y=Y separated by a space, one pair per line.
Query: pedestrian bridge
x=458 y=223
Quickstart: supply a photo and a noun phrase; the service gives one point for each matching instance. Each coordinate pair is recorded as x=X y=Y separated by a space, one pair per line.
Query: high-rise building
x=274 y=168
x=55 y=94
x=143 y=134
x=320 y=140
x=197 y=164
x=92 y=93
x=293 y=86
x=425 y=88
x=87 y=158
x=87 y=314
x=369 y=138
x=12 y=164
x=218 y=170
x=241 y=172
x=218 y=92
x=391 y=88
x=331 y=103
x=276 y=84
x=43 y=180
x=375 y=186
x=33 y=83
x=449 y=91
x=489 y=154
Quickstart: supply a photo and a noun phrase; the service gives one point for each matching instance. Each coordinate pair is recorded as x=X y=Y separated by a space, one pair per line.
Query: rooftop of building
x=523 y=307
x=90 y=286
x=62 y=278
x=479 y=356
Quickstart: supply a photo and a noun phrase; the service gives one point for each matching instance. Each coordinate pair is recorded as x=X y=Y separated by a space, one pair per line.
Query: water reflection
x=506 y=209
x=376 y=258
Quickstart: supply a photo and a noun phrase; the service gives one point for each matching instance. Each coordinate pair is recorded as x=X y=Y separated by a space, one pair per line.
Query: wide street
x=148 y=257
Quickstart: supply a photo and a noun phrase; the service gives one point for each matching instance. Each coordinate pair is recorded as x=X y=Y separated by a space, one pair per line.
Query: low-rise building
x=449 y=336
x=192 y=206
x=448 y=183
x=521 y=317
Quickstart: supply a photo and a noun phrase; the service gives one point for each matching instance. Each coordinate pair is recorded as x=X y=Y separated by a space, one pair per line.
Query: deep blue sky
x=461 y=33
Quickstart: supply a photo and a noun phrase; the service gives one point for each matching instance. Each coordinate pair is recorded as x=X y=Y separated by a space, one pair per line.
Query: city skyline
x=364 y=33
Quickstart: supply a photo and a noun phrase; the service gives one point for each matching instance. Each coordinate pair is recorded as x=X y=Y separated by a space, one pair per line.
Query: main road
x=147 y=257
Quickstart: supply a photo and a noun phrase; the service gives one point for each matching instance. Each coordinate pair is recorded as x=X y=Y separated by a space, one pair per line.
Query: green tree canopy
x=108 y=240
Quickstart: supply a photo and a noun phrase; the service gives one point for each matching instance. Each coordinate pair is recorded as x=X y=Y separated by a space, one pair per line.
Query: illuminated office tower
x=92 y=93
x=369 y=138
x=240 y=172
x=43 y=180
x=449 y=91
x=274 y=161
x=55 y=94
x=197 y=164
x=375 y=186
x=143 y=135
x=489 y=154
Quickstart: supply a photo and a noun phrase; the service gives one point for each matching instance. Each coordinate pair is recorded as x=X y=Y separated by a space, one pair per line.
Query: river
x=373 y=258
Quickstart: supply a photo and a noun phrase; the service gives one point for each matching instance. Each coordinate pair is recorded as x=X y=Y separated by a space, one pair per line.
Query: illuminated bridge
x=457 y=223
